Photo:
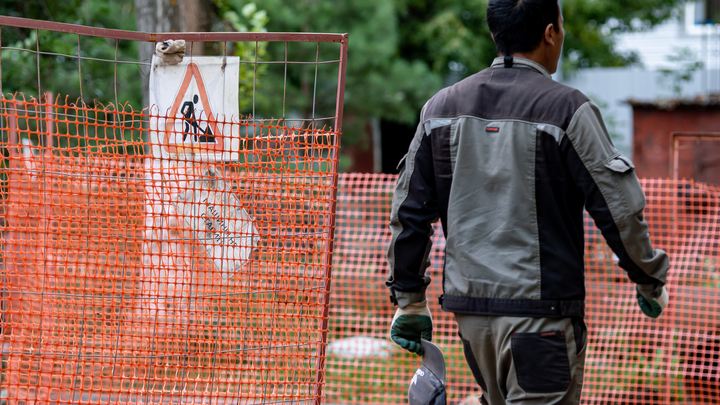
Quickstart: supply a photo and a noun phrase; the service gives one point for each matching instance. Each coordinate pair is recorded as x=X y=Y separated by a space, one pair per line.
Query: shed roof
x=700 y=102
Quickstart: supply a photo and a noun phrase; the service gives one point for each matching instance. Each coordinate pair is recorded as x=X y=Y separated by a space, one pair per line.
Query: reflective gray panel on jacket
x=492 y=227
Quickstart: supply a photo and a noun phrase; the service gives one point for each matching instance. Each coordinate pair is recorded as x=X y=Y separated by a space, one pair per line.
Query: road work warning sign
x=194 y=107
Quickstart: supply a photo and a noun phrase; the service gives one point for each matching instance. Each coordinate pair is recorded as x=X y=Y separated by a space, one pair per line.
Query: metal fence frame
x=256 y=37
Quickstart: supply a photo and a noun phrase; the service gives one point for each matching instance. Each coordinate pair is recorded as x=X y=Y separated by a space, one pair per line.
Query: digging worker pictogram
x=507 y=159
x=191 y=124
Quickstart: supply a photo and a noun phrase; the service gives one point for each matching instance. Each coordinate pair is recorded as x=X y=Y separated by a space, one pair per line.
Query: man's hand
x=652 y=299
x=410 y=324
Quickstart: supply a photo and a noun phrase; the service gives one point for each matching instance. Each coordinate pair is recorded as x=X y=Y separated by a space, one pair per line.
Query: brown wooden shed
x=653 y=124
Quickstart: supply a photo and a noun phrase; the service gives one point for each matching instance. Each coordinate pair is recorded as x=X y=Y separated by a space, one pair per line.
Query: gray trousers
x=525 y=360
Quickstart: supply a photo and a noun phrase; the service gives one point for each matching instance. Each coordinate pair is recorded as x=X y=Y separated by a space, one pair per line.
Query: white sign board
x=195 y=113
x=209 y=207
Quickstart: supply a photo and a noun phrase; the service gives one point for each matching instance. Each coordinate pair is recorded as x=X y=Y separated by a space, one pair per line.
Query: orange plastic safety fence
x=631 y=359
x=128 y=279
x=113 y=293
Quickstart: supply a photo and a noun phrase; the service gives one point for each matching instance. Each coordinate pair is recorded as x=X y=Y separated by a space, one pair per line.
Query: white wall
x=664 y=40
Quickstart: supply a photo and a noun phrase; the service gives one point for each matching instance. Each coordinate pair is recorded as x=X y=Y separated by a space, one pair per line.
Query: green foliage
x=686 y=64
x=246 y=18
x=60 y=73
x=447 y=35
x=380 y=82
x=400 y=53
x=590 y=25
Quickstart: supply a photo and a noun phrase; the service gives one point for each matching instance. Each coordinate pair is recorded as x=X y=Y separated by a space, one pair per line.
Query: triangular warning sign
x=195 y=138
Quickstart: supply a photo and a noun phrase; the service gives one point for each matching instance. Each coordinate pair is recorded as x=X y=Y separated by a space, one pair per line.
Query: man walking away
x=507 y=159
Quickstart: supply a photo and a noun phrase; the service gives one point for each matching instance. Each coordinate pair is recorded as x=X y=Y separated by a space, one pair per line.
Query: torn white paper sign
x=226 y=230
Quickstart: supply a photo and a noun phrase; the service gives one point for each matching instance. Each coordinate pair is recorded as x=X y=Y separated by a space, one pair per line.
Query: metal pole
x=320 y=379
x=162 y=36
x=1 y=91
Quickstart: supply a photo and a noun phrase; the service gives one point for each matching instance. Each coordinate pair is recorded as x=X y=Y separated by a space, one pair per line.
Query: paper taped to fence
x=220 y=224
x=196 y=103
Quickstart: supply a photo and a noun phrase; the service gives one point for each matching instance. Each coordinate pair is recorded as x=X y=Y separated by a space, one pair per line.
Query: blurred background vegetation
x=401 y=52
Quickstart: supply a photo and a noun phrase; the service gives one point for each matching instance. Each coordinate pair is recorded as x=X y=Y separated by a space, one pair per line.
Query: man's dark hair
x=518 y=25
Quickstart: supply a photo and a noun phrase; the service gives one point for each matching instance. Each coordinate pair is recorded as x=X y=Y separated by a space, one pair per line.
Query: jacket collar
x=522 y=62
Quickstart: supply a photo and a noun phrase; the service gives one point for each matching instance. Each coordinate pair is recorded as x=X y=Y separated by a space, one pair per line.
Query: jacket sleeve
x=414 y=209
x=613 y=196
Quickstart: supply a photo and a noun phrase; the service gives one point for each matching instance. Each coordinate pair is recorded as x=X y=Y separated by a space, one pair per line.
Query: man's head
x=527 y=28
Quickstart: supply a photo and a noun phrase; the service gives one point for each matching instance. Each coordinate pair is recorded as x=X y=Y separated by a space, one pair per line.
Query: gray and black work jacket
x=507 y=159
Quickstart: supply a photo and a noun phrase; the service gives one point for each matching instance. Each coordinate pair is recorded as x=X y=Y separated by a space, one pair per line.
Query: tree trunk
x=154 y=16
x=198 y=18
x=170 y=16
x=376 y=144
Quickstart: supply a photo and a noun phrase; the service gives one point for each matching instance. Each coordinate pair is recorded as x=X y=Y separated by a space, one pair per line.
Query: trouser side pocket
x=581 y=334
x=541 y=361
x=472 y=362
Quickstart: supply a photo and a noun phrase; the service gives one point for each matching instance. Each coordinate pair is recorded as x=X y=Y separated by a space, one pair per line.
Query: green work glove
x=410 y=324
x=652 y=299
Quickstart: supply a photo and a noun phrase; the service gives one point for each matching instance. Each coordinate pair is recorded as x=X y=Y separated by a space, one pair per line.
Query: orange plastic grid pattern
x=631 y=359
x=119 y=281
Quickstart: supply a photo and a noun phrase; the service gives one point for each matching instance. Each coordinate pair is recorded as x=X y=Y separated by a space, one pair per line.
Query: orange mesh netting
x=112 y=292
x=631 y=359
x=128 y=280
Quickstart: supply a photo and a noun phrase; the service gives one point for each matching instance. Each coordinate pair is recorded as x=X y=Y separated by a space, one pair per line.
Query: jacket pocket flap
x=401 y=163
x=620 y=164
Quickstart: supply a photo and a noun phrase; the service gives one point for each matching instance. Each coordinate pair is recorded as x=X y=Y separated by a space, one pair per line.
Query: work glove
x=170 y=52
x=410 y=324
x=652 y=299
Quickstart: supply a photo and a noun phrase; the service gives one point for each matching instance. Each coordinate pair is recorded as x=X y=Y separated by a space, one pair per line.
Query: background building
x=674 y=90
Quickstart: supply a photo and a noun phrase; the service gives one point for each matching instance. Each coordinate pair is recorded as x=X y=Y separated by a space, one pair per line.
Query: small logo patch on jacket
x=492 y=129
